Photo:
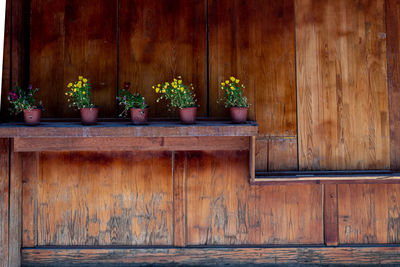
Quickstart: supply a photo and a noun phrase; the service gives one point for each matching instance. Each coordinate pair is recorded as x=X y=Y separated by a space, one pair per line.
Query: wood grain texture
x=132 y=144
x=111 y=198
x=179 y=176
x=224 y=209
x=210 y=256
x=30 y=169
x=160 y=40
x=6 y=79
x=343 y=120
x=369 y=214
x=276 y=154
x=331 y=222
x=75 y=38
x=4 y=197
x=254 y=40
x=393 y=57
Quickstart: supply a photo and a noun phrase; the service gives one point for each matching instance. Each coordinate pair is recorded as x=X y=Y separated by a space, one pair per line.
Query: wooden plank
x=209 y=256
x=179 y=176
x=166 y=38
x=254 y=40
x=252 y=158
x=122 y=129
x=30 y=170
x=369 y=214
x=67 y=41
x=224 y=209
x=132 y=144
x=282 y=154
x=393 y=57
x=15 y=213
x=343 y=120
x=6 y=77
x=4 y=197
x=331 y=226
x=114 y=198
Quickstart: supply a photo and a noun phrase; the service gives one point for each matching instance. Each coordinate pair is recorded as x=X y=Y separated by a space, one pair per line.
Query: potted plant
x=180 y=96
x=235 y=100
x=24 y=101
x=79 y=94
x=135 y=103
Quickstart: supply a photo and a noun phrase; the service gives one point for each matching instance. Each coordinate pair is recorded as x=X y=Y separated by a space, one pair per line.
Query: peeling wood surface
x=4 y=197
x=224 y=209
x=105 y=199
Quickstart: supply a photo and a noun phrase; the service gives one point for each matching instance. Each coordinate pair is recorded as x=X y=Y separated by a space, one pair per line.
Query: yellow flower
x=163 y=91
x=180 y=81
x=175 y=80
x=79 y=86
x=182 y=89
x=158 y=85
x=153 y=87
x=70 y=94
x=223 y=84
x=175 y=86
x=66 y=93
x=69 y=85
x=84 y=92
x=237 y=81
x=233 y=79
x=74 y=90
x=80 y=78
x=157 y=90
x=232 y=88
x=227 y=82
x=84 y=80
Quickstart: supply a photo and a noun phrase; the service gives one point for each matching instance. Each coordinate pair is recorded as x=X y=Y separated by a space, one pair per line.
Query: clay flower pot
x=32 y=117
x=89 y=115
x=139 y=116
x=238 y=115
x=188 y=115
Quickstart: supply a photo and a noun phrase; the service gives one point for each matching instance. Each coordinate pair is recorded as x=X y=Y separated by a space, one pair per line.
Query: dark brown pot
x=188 y=115
x=238 y=115
x=32 y=117
x=89 y=115
x=139 y=116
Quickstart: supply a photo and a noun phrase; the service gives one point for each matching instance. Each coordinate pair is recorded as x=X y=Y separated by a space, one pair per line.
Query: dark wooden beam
x=4 y=195
x=331 y=223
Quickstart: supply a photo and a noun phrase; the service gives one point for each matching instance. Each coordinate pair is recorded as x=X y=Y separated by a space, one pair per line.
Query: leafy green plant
x=233 y=94
x=80 y=93
x=178 y=94
x=21 y=99
x=130 y=100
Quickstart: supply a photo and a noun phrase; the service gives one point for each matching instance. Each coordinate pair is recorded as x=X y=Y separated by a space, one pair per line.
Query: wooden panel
x=105 y=199
x=132 y=144
x=303 y=256
x=276 y=154
x=331 y=227
x=224 y=209
x=6 y=79
x=71 y=38
x=30 y=166
x=160 y=40
x=341 y=85
x=369 y=214
x=393 y=56
x=254 y=40
x=179 y=173
x=4 y=195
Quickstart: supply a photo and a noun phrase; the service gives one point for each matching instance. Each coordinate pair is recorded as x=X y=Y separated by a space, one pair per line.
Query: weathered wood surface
x=6 y=79
x=224 y=209
x=4 y=197
x=118 y=129
x=179 y=208
x=393 y=57
x=254 y=40
x=116 y=198
x=331 y=221
x=71 y=38
x=159 y=40
x=276 y=154
x=133 y=144
x=213 y=256
x=343 y=120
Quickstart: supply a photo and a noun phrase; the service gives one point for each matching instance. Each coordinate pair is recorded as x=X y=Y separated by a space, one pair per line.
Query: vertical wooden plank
x=15 y=219
x=30 y=170
x=393 y=56
x=4 y=193
x=282 y=154
x=341 y=83
x=5 y=81
x=113 y=198
x=160 y=40
x=224 y=209
x=254 y=40
x=331 y=227
x=252 y=159
x=179 y=176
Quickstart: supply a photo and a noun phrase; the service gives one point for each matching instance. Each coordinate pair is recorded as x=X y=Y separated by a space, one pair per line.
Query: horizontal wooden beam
x=205 y=143
x=211 y=256
x=125 y=129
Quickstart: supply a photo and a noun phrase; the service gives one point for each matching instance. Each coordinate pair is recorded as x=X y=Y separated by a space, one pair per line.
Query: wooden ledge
x=126 y=129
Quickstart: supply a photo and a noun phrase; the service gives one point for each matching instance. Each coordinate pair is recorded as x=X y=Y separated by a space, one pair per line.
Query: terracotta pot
x=32 y=117
x=139 y=116
x=89 y=115
x=238 y=115
x=188 y=115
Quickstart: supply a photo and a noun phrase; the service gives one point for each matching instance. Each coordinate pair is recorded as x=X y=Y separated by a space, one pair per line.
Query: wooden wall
x=323 y=81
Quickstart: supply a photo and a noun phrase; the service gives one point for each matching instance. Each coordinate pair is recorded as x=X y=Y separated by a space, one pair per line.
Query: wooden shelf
x=126 y=129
